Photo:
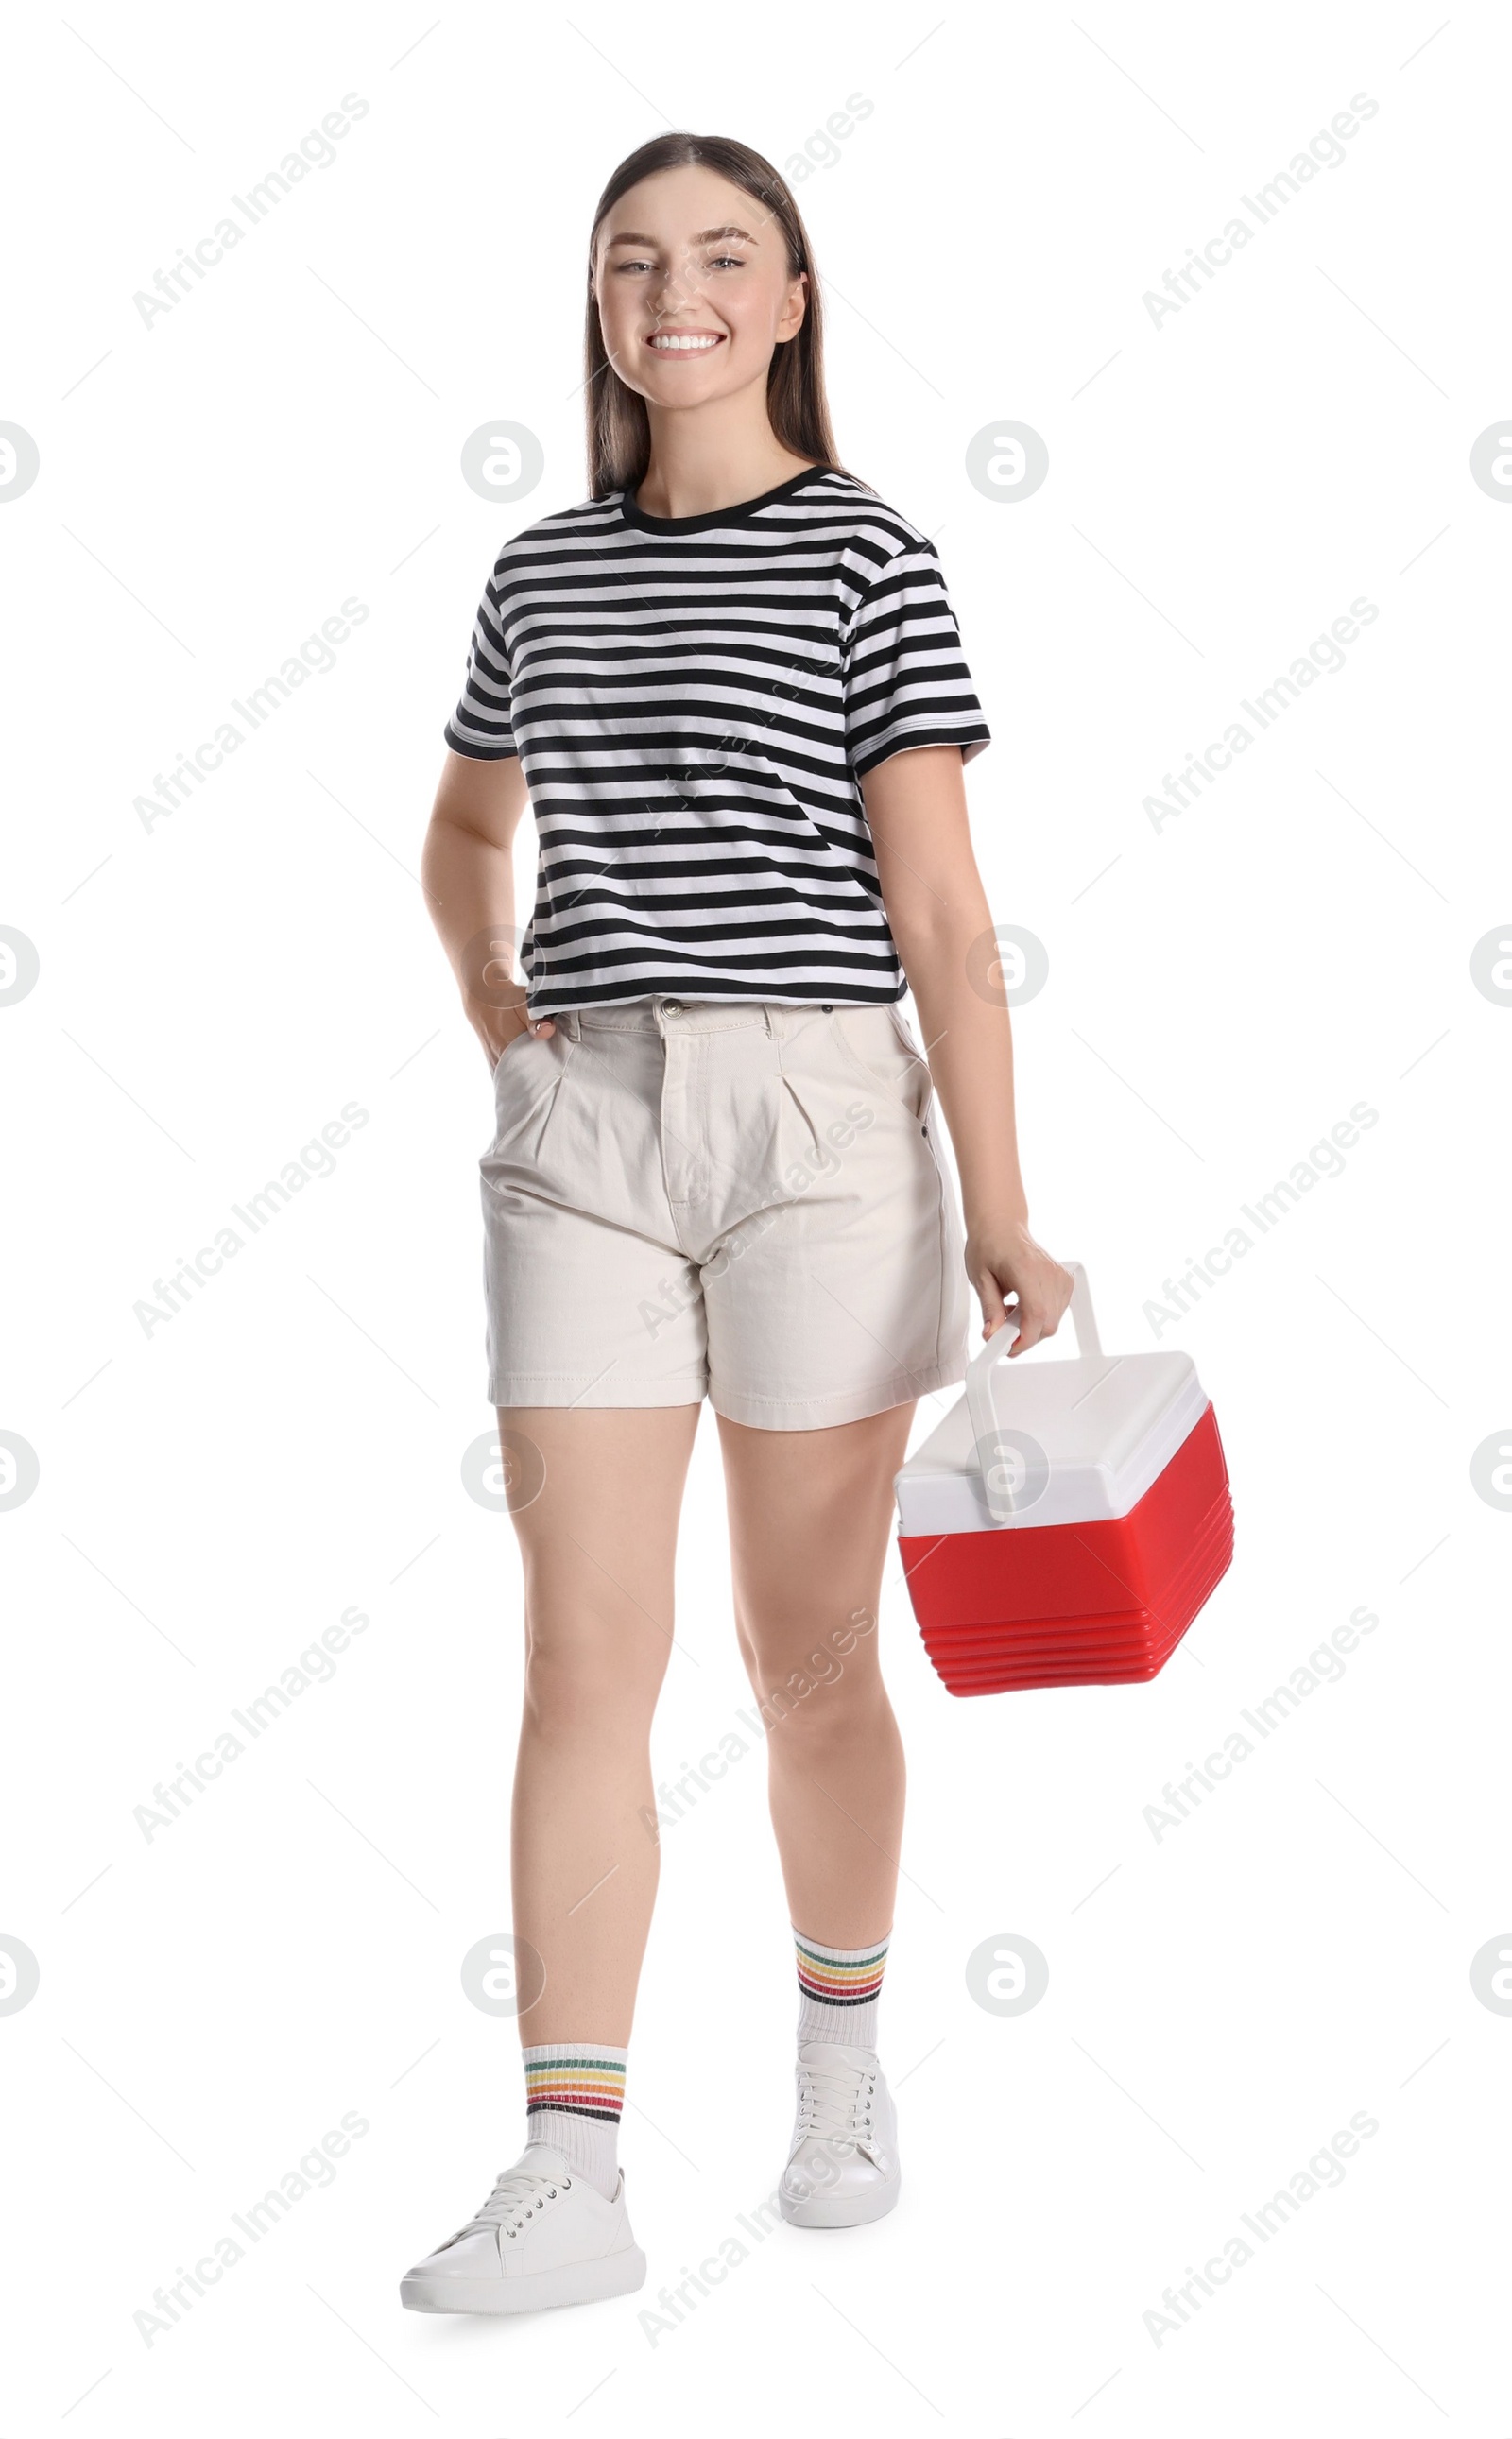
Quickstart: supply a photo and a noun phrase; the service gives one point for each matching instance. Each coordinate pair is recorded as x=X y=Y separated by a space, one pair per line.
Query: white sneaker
x=843 y=2166
x=544 y=2235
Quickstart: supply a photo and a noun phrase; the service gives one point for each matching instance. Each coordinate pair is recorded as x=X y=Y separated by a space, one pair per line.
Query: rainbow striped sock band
x=575 y=2079
x=840 y=1977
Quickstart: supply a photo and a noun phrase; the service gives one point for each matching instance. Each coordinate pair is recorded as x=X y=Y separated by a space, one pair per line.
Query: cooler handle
x=1002 y=1465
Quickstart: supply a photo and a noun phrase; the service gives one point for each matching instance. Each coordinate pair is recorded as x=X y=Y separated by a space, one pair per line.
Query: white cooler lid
x=1097 y=1430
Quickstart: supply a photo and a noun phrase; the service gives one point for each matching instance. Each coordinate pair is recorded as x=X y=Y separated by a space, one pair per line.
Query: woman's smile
x=685 y=342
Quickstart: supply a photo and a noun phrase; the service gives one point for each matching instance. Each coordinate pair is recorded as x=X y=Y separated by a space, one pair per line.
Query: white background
x=1222 y=992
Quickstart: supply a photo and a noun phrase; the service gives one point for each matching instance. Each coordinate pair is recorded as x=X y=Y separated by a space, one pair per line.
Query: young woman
x=732 y=688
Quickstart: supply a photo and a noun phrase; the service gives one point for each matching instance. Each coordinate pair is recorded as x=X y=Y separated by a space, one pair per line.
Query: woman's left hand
x=1005 y=1260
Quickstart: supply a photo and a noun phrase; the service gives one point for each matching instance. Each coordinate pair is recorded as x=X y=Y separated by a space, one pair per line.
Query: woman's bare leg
x=810 y=1524
x=597 y=1543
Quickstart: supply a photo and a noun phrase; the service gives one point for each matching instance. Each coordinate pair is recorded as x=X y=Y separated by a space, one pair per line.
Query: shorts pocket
x=528 y=1071
x=517 y=1043
x=877 y=1046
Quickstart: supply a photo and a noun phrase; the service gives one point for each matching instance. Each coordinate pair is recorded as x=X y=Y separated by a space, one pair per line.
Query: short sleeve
x=482 y=724
x=905 y=672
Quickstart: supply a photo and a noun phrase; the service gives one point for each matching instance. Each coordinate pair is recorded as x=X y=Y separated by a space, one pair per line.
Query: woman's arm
x=938 y=911
x=467 y=870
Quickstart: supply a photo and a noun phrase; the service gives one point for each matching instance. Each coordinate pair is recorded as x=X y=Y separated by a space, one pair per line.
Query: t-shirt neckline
x=735 y=514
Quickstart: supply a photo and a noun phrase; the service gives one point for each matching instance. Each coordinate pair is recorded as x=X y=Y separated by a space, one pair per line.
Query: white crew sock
x=574 y=2094
x=840 y=1989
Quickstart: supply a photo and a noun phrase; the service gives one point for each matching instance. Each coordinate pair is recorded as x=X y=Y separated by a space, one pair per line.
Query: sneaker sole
x=539 y=2290
x=840 y=2210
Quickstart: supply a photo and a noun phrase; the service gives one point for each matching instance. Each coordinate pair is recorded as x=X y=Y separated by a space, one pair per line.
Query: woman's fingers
x=1038 y=1317
x=1031 y=1325
x=990 y=1297
x=1042 y=1297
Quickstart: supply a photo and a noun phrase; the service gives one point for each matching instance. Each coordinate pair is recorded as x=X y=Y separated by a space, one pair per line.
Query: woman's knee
x=798 y=1664
x=820 y=1707
x=582 y=1687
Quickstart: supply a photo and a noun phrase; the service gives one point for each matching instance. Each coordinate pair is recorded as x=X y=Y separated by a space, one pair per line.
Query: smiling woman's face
x=692 y=278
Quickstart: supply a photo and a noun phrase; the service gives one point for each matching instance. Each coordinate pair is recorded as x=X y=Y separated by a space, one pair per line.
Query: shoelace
x=518 y=2192
x=834 y=2102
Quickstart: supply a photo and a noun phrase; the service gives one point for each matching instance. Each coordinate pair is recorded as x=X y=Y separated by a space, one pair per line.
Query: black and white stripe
x=693 y=701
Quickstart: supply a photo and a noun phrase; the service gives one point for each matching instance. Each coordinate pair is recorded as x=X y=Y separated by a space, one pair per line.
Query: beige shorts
x=745 y=1200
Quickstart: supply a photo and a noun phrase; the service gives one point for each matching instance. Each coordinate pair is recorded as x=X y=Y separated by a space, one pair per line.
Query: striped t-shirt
x=694 y=702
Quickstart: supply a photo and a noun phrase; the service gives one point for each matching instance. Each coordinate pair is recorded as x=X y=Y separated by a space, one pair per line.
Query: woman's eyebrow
x=703 y=237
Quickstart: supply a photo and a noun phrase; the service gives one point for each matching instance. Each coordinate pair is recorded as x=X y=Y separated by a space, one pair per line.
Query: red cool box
x=1068 y=1519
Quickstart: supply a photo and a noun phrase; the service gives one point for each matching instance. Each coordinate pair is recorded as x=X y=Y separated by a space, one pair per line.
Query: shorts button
x=828 y=1008
x=671 y=1008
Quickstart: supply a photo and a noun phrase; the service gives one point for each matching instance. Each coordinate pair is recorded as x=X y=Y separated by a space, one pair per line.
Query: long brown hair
x=620 y=436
